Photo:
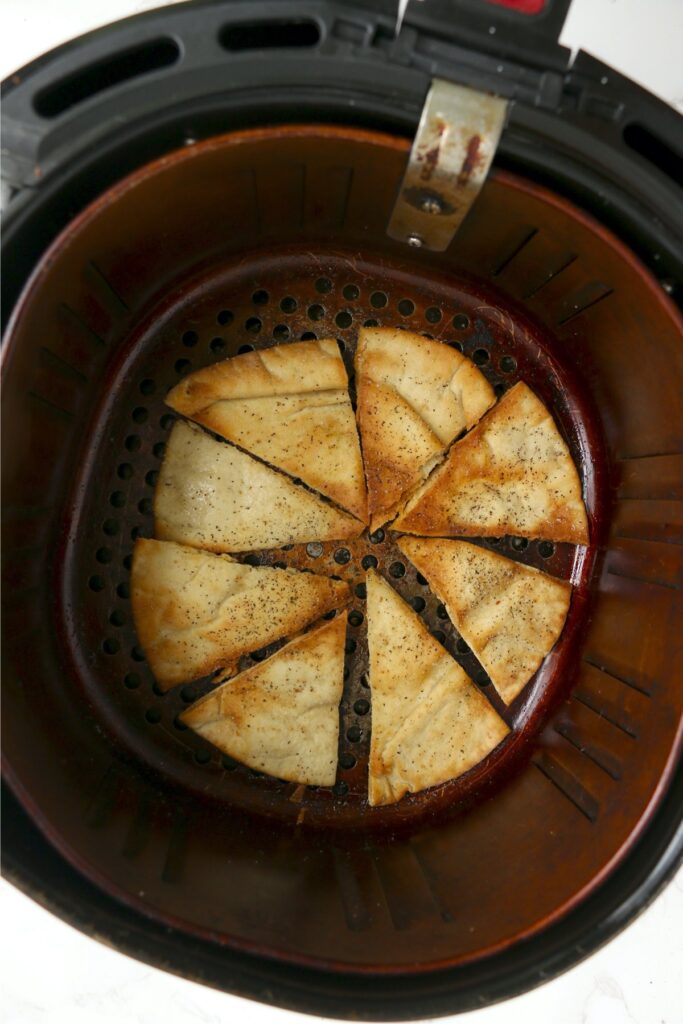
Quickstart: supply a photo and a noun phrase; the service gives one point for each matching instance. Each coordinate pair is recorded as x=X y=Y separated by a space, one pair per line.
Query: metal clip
x=453 y=150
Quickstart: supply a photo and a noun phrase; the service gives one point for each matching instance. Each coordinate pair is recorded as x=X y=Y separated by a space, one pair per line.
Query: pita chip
x=509 y=614
x=415 y=396
x=429 y=721
x=290 y=406
x=196 y=612
x=214 y=496
x=512 y=474
x=281 y=717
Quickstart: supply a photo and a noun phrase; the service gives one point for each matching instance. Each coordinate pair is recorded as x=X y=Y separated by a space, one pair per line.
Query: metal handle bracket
x=453 y=150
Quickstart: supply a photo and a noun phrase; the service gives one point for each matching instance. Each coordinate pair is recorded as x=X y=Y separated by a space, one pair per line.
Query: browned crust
x=430 y=513
x=533 y=603
x=183 y=640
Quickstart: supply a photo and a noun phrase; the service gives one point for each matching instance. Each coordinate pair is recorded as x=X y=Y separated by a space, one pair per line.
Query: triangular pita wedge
x=212 y=495
x=414 y=397
x=196 y=612
x=512 y=474
x=509 y=614
x=281 y=717
x=290 y=406
x=429 y=721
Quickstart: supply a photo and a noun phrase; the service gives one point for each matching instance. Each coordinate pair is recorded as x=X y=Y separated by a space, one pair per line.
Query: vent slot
x=642 y=141
x=105 y=74
x=270 y=35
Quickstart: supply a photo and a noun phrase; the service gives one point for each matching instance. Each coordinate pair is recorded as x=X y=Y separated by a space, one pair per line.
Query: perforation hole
x=355 y=618
x=461 y=322
x=190 y=339
x=519 y=543
x=369 y=562
x=104 y=555
x=323 y=285
x=406 y=307
x=96 y=583
x=480 y=356
x=508 y=364
x=140 y=415
x=397 y=570
x=253 y=325
x=225 y=317
x=361 y=591
x=418 y=604
x=362 y=706
x=110 y=527
x=147 y=386
x=546 y=549
x=343 y=319
x=281 y=332
x=217 y=345
x=288 y=304
x=244 y=348
x=111 y=646
x=347 y=761
x=153 y=716
x=433 y=315
x=133 y=443
x=342 y=556
x=351 y=292
x=377 y=537
x=354 y=733
x=315 y=312
x=260 y=297
x=132 y=680
x=167 y=421
x=371 y=323
x=378 y=300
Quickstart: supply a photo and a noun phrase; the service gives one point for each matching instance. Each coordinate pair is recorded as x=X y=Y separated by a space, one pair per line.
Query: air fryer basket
x=251 y=238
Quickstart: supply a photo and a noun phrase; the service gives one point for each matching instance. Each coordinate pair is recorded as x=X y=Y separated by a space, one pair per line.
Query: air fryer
x=211 y=178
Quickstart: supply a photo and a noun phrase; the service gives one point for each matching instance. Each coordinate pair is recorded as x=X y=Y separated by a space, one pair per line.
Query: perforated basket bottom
x=266 y=300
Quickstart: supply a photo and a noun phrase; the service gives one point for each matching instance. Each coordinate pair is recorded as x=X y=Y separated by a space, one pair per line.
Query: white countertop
x=52 y=974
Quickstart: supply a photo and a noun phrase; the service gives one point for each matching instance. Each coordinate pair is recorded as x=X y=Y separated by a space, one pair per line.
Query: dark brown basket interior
x=253 y=240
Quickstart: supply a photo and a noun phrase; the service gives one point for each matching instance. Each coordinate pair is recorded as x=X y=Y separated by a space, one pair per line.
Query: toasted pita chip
x=510 y=614
x=429 y=722
x=512 y=474
x=414 y=397
x=281 y=717
x=196 y=612
x=214 y=496
x=290 y=406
